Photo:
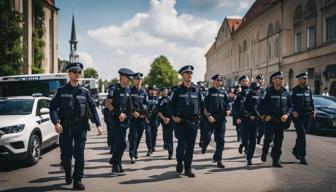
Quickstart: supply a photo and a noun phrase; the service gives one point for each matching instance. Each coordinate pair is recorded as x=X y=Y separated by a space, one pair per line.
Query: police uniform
x=139 y=125
x=70 y=107
x=275 y=103
x=167 y=129
x=216 y=104
x=121 y=103
x=152 y=103
x=237 y=110
x=260 y=122
x=303 y=104
x=186 y=103
x=108 y=120
x=250 y=116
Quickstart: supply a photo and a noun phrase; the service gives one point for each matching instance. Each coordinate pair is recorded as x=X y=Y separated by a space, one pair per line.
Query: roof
x=233 y=23
x=73 y=30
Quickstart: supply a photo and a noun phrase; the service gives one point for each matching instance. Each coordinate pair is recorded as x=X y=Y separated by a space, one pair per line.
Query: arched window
x=297 y=21
x=270 y=29
x=245 y=46
x=298 y=15
x=269 y=50
x=276 y=48
x=277 y=27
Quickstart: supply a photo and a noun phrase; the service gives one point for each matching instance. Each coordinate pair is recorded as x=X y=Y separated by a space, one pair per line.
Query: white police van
x=25 y=127
x=23 y=85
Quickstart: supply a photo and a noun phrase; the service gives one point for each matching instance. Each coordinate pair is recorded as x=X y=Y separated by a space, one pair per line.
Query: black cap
x=243 y=78
x=216 y=77
x=126 y=72
x=278 y=74
x=302 y=75
x=151 y=87
x=137 y=75
x=260 y=76
x=186 y=69
x=255 y=85
x=74 y=67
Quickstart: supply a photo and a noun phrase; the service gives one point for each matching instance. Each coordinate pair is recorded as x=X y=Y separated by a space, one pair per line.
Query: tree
x=90 y=73
x=11 y=50
x=38 y=31
x=161 y=73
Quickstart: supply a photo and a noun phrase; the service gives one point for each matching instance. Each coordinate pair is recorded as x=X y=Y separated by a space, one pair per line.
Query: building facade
x=292 y=36
x=50 y=36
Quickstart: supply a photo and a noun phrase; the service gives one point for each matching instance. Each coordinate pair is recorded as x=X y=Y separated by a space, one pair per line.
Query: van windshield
x=22 y=88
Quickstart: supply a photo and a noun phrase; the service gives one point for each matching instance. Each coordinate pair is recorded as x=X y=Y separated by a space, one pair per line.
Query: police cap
x=255 y=86
x=187 y=68
x=74 y=67
x=302 y=75
x=138 y=75
x=126 y=72
x=216 y=77
x=243 y=78
x=277 y=74
x=260 y=76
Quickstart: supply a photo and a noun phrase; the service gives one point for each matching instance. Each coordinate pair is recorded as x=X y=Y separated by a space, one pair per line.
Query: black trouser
x=186 y=136
x=167 y=131
x=120 y=140
x=134 y=137
x=72 y=143
x=153 y=123
x=251 y=133
x=218 y=128
x=203 y=130
x=301 y=127
x=261 y=130
x=273 y=132
x=110 y=130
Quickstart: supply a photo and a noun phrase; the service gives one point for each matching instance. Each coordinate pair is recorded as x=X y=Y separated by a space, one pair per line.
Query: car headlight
x=12 y=129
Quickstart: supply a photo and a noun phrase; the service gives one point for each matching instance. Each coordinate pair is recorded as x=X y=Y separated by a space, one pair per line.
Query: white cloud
x=183 y=38
x=86 y=59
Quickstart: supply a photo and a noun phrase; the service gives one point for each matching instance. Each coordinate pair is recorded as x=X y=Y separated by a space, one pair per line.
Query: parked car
x=25 y=128
x=325 y=119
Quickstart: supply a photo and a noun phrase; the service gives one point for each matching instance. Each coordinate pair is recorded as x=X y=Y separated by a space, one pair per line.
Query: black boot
x=136 y=156
x=220 y=164
x=115 y=168
x=240 y=149
x=303 y=161
x=77 y=185
x=249 y=162
x=296 y=155
x=68 y=179
x=204 y=150
x=132 y=160
x=263 y=157
x=179 y=167
x=277 y=164
x=149 y=153
x=121 y=170
x=189 y=173
x=170 y=155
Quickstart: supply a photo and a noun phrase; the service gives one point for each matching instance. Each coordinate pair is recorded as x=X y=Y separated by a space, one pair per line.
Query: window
x=269 y=50
x=311 y=33
x=297 y=41
x=270 y=29
x=276 y=48
x=331 y=28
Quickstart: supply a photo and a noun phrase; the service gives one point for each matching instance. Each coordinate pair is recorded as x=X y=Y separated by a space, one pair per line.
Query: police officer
x=237 y=108
x=120 y=104
x=275 y=108
x=303 y=110
x=186 y=105
x=152 y=103
x=69 y=112
x=260 y=124
x=139 y=121
x=251 y=116
x=216 y=108
x=164 y=112
x=108 y=120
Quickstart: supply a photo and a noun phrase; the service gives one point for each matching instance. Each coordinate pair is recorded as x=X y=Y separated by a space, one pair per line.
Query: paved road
x=157 y=173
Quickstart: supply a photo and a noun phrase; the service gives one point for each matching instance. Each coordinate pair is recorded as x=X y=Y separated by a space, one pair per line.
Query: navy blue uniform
x=121 y=103
x=260 y=122
x=237 y=109
x=138 y=125
x=152 y=103
x=303 y=104
x=186 y=103
x=110 y=131
x=275 y=104
x=167 y=129
x=70 y=108
x=250 y=116
x=216 y=103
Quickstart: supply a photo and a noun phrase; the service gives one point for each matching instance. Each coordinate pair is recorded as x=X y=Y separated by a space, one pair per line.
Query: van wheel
x=34 y=150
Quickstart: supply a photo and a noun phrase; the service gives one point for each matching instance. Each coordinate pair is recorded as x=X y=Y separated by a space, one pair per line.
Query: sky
x=113 y=34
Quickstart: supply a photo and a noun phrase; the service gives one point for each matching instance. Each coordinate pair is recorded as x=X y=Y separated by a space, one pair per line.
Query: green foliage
x=161 y=73
x=90 y=73
x=38 y=31
x=11 y=50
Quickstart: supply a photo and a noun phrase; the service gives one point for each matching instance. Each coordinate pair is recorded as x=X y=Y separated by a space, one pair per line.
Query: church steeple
x=73 y=57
